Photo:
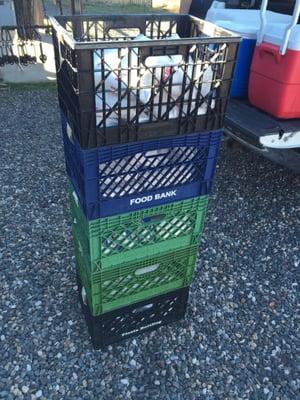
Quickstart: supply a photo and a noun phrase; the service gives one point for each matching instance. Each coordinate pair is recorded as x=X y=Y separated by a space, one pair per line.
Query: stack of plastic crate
x=140 y=159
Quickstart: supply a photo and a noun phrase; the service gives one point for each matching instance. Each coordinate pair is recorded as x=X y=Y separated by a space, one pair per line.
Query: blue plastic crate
x=123 y=178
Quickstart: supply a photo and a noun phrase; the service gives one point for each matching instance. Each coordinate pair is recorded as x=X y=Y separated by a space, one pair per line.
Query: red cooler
x=274 y=84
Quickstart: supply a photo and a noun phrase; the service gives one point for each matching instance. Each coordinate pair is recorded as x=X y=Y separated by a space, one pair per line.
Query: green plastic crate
x=131 y=236
x=131 y=282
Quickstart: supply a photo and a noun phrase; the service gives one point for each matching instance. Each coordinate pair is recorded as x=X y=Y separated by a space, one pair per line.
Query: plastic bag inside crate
x=141 y=77
x=132 y=89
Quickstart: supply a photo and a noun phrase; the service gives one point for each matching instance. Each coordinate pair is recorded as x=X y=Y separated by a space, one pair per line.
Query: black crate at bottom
x=135 y=319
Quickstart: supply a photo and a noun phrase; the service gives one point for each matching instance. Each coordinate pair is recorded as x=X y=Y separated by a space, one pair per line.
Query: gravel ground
x=240 y=336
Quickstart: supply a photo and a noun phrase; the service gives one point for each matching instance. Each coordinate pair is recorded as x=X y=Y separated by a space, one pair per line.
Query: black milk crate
x=129 y=321
x=115 y=87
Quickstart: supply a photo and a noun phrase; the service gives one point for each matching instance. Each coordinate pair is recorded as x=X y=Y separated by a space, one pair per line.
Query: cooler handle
x=287 y=34
x=270 y=49
x=263 y=21
x=289 y=28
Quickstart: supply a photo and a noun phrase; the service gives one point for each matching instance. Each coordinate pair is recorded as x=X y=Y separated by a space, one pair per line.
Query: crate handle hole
x=156 y=153
x=75 y=198
x=83 y=296
x=143 y=308
x=128 y=32
x=153 y=218
x=70 y=133
x=163 y=61
x=145 y=270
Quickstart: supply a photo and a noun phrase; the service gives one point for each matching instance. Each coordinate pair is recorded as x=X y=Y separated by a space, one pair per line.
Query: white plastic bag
x=109 y=110
x=144 y=80
x=113 y=59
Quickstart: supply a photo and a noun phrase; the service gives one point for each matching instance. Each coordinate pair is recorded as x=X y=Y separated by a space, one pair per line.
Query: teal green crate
x=131 y=236
x=131 y=282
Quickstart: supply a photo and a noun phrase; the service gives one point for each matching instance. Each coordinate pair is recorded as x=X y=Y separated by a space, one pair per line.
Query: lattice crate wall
x=132 y=236
x=140 y=317
x=126 y=178
x=131 y=282
x=192 y=96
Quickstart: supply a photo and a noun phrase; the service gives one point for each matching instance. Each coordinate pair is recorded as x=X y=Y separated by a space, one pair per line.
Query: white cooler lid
x=246 y=30
x=228 y=14
x=274 y=33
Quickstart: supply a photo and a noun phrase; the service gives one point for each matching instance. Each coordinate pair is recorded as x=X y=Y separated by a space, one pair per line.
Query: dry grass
x=106 y=7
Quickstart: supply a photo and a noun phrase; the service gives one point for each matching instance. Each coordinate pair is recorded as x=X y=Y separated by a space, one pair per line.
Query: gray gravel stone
x=239 y=338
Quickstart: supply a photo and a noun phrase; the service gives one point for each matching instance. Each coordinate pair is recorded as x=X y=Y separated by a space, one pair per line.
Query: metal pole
x=76 y=7
x=58 y=2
